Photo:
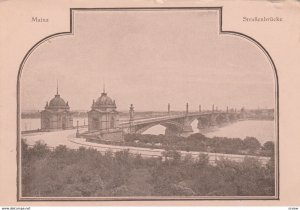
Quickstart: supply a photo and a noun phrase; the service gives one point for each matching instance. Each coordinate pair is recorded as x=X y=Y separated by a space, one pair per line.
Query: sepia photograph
x=147 y=104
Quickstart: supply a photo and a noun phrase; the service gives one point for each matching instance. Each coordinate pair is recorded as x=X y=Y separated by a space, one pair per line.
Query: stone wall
x=116 y=135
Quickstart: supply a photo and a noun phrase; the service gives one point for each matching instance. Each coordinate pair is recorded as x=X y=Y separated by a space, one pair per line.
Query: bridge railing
x=169 y=117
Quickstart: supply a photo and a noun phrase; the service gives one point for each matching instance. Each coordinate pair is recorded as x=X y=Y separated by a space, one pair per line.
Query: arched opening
x=165 y=128
x=221 y=119
x=194 y=125
x=112 y=122
x=63 y=123
x=46 y=123
x=203 y=123
x=232 y=117
x=95 y=124
x=155 y=130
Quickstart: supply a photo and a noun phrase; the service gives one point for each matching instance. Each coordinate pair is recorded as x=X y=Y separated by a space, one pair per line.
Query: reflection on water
x=262 y=130
x=30 y=124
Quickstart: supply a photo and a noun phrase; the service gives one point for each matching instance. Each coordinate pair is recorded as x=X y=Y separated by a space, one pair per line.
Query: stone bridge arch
x=172 y=127
x=233 y=117
x=222 y=119
x=203 y=122
x=212 y=119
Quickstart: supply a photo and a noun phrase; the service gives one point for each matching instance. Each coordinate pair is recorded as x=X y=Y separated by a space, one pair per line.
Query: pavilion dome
x=104 y=101
x=57 y=103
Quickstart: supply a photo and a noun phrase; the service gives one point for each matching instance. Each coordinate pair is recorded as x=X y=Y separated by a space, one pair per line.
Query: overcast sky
x=149 y=59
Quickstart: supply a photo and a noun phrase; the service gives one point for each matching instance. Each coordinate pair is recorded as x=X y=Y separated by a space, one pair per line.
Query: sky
x=149 y=59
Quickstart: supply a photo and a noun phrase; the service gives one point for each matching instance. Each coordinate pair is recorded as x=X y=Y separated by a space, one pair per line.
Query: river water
x=34 y=124
x=262 y=130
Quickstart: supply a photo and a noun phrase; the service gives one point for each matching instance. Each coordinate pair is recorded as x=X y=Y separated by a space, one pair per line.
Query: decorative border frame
x=148 y=198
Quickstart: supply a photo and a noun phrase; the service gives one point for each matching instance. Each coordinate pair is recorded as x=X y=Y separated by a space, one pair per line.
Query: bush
x=88 y=173
x=197 y=142
x=251 y=143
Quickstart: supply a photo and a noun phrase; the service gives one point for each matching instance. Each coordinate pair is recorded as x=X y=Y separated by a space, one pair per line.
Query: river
x=262 y=130
x=35 y=123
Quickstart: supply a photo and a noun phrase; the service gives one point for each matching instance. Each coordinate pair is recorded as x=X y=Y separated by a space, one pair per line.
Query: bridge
x=181 y=123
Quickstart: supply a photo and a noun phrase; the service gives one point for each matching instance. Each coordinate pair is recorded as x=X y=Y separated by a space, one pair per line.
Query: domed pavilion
x=57 y=115
x=103 y=119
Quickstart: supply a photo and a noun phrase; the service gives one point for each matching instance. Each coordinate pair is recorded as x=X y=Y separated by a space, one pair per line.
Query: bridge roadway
x=170 y=117
x=180 y=123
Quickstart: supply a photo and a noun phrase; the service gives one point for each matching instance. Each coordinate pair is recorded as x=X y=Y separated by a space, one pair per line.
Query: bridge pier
x=131 y=129
x=213 y=121
x=177 y=125
x=227 y=118
x=187 y=127
x=172 y=132
x=202 y=124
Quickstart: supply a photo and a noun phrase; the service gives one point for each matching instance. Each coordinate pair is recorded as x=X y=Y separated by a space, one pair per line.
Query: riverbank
x=195 y=143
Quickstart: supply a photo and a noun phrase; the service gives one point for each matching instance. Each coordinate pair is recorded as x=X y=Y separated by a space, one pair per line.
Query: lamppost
x=77 y=131
x=131 y=117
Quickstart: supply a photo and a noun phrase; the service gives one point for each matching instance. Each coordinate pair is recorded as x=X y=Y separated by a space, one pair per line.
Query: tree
x=251 y=143
x=39 y=150
x=203 y=160
x=268 y=149
x=172 y=156
x=60 y=151
x=269 y=145
x=24 y=148
x=120 y=191
x=138 y=161
x=180 y=189
x=85 y=172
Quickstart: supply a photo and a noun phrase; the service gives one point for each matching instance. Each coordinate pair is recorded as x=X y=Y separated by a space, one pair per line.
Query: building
x=57 y=115
x=103 y=120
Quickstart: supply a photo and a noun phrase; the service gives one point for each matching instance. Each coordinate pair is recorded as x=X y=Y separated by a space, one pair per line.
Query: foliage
x=198 y=142
x=64 y=172
x=251 y=143
x=268 y=148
